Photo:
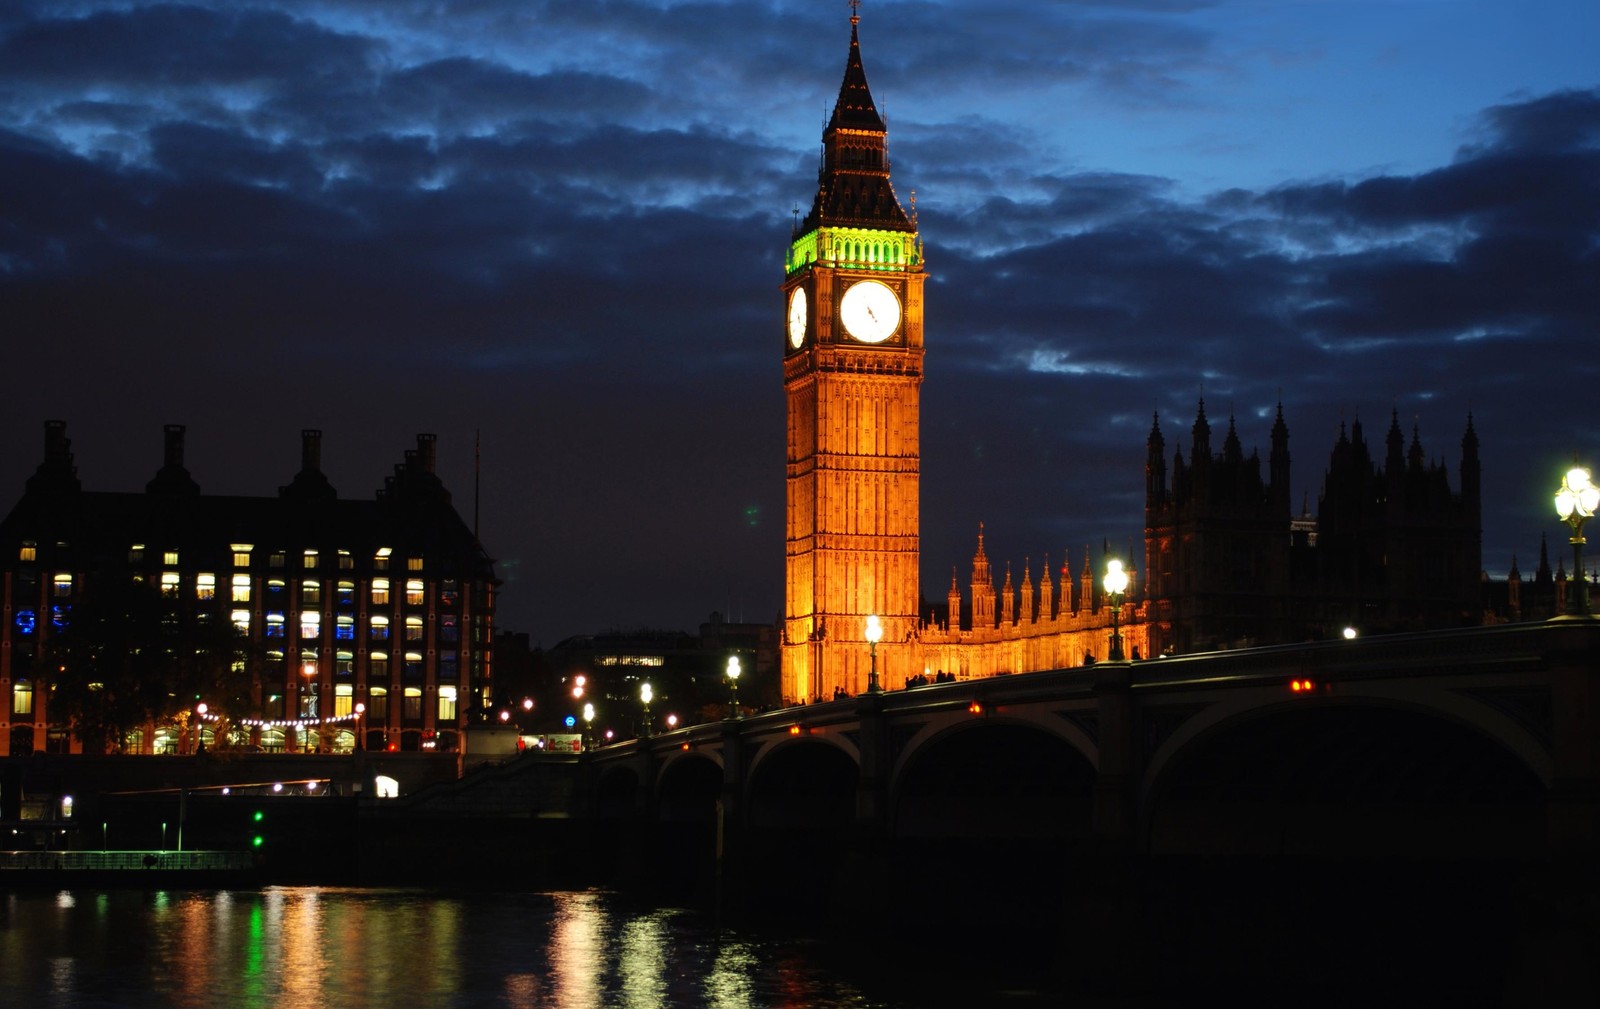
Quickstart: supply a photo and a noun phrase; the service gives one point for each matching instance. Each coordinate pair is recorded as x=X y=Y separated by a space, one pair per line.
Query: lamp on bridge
x=645 y=694
x=874 y=635
x=1116 y=583
x=1575 y=503
x=733 y=683
x=588 y=724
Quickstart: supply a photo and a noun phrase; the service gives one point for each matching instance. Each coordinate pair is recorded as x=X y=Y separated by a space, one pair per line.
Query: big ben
x=852 y=367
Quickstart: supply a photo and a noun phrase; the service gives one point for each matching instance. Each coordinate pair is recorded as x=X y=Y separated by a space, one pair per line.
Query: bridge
x=1445 y=766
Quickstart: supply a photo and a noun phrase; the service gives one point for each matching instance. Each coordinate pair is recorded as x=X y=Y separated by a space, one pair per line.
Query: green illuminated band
x=857 y=248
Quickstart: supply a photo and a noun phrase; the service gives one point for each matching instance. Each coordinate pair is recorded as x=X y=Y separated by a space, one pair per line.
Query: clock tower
x=852 y=374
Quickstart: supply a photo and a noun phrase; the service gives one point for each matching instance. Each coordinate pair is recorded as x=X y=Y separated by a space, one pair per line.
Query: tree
x=128 y=655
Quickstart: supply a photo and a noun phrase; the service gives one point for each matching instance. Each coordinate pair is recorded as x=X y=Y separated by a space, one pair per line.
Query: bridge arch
x=1374 y=775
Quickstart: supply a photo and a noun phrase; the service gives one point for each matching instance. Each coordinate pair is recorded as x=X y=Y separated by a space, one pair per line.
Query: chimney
x=172 y=478
x=426 y=452
x=173 y=458
x=310 y=450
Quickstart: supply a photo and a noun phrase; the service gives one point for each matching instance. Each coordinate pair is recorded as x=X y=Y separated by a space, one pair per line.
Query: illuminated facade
x=351 y=620
x=853 y=355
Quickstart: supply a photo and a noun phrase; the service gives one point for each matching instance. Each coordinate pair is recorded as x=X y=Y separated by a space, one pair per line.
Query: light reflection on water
x=309 y=947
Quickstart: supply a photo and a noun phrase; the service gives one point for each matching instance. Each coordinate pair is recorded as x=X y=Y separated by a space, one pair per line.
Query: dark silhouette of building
x=1228 y=563
x=347 y=616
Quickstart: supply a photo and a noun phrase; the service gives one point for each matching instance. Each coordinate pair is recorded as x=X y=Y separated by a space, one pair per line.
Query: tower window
x=309 y=559
x=29 y=551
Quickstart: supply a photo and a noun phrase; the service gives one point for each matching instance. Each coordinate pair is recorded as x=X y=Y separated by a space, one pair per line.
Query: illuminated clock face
x=797 y=318
x=870 y=312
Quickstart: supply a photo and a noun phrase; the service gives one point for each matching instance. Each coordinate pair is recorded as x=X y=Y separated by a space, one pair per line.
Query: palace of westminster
x=371 y=621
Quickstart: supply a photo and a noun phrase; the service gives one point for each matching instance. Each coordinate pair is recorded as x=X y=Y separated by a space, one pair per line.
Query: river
x=315 y=947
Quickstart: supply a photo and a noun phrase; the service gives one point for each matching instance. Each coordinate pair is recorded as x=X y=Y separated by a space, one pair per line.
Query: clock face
x=870 y=312
x=797 y=318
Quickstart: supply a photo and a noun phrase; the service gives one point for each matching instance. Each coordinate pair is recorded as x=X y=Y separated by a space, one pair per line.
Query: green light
x=259 y=816
x=256 y=842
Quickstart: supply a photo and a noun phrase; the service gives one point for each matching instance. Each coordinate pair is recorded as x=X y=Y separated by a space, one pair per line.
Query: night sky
x=559 y=227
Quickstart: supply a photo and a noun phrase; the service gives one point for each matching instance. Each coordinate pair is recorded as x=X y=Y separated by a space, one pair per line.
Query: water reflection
x=298 y=948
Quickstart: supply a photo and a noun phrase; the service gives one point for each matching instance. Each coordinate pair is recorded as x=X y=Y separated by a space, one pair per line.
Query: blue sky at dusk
x=560 y=227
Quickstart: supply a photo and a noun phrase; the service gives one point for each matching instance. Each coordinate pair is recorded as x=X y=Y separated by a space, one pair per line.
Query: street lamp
x=645 y=694
x=1575 y=503
x=1116 y=583
x=361 y=725
x=733 y=682
x=874 y=635
x=588 y=723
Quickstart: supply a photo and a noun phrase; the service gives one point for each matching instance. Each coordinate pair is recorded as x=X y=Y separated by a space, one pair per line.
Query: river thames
x=313 y=947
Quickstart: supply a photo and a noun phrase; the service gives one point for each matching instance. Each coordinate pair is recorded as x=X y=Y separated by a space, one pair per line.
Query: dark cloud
x=558 y=228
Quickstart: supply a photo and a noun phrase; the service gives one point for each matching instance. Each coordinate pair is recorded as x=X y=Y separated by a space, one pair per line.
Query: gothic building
x=1391 y=547
x=345 y=622
x=1228 y=561
x=852 y=365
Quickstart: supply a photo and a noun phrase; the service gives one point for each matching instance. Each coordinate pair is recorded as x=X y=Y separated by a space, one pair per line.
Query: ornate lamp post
x=645 y=694
x=733 y=682
x=1575 y=503
x=588 y=723
x=874 y=635
x=1116 y=583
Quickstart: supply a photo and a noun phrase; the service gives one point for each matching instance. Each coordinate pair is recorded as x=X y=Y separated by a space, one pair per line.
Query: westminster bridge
x=1439 y=791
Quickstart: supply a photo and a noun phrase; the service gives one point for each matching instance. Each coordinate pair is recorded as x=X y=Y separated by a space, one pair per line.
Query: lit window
x=241 y=554
x=22 y=698
x=308 y=709
x=344 y=700
x=413 y=666
x=378 y=666
x=346 y=562
x=311 y=591
x=205 y=587
x=346 y=593
x=413 y=628
x=310 y=624
x=275 y=588
x=241 y=621
x=169 y=583
x=380 y=560
x=241 y=588
x=380 y=628
x=413 y=703
x=308 y=663
x=26 y=621
x=136 y=553
x=310 y=559
x=274 y=625
x=447 y=704
x=449 y=593
x=28 y=552
x=414 y=592
x=413 y=563
x=63 y=585
x=344 y=664
x=377 y=704
x=275 y=559
x=380 y=591
x=169 y=557
x=449 y=628
x=345 y=628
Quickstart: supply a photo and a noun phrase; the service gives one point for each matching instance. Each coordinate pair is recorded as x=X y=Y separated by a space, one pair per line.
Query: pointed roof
x=855 y=109
x=853 y=187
